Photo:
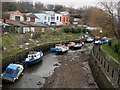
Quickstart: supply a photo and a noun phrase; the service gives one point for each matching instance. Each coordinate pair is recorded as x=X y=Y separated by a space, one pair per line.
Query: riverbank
x=13 y=43
x=73 y=72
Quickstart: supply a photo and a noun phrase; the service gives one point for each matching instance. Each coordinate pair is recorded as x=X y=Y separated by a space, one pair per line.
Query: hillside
x=13 y=42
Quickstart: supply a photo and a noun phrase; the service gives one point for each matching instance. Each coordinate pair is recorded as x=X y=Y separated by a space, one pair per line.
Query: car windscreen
x=9 y=71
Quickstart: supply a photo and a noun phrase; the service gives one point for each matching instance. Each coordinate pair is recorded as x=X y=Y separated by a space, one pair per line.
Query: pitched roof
x=13 y=22
x=32 y=15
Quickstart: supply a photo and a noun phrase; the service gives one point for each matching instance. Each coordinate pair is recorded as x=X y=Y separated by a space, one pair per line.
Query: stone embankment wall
x=105 y=69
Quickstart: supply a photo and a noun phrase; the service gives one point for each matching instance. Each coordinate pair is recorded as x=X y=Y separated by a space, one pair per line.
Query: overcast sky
x=74 y=3
x=69 y=3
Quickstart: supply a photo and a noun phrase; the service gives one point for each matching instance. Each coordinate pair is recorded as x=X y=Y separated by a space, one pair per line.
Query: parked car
x=12 y=72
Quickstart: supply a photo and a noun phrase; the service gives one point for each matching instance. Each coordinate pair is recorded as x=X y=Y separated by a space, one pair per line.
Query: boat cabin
x=34 y=55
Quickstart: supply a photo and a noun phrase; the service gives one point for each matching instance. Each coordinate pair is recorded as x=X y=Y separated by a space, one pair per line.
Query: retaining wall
x=105 y=69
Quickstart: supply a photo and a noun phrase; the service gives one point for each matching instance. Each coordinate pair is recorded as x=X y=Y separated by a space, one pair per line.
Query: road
x=70 y=70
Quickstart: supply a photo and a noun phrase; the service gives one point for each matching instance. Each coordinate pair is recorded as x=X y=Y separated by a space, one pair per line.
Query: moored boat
x=56 y=48
x=90 y=39
x=77 y=46
x=71 y=45
x=33 y=58
x=62 y=49
x=12 y=72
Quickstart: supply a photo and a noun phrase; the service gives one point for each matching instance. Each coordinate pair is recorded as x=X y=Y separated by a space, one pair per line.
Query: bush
x=72 y=30
x=116 y=48
x=67 y=30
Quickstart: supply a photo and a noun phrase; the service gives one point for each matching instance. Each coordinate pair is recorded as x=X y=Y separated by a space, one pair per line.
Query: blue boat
x=56 y=48
x=12 y=72
x=33 y=58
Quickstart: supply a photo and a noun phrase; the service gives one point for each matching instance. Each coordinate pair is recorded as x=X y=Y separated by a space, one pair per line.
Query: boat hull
x=78 y=47
x=54 y=49
x=31 y=62
x=61 y=52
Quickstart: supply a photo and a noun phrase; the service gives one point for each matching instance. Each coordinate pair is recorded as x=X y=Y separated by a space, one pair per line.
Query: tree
x=113 y=10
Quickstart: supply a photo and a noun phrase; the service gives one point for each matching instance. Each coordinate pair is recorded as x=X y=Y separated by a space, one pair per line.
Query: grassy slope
x=111 y=52
x=12 y=41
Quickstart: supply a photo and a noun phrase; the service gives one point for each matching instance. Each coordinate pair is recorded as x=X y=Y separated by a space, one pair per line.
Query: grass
x=12 y=41
x=111 y=52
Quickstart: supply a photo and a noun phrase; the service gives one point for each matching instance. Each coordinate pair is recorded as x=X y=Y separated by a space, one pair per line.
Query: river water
x=34 y=76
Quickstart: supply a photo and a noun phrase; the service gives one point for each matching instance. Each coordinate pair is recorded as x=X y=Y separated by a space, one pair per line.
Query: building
x=50 y=18
x=17 y=16
x=31 y=17
x=65 y=18
x=6 y=28
x=44 y=18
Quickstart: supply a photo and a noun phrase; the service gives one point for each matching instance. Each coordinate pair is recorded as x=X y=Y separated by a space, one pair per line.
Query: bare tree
x=113 y=10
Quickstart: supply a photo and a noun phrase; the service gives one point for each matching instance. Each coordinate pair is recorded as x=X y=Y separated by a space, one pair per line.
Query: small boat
x=78 y=46
x=105 y=40
x=81 y=42
x=71 y=45
x=90 y=39
x=33 y=57
x=56 y=48
x=62 y=49
x=98 y=42
x=12 y=72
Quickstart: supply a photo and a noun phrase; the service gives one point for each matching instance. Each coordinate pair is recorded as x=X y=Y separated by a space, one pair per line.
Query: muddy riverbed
x=69 y=70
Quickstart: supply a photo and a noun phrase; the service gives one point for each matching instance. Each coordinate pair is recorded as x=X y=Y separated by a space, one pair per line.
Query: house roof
x=34 y=24
x=32 y=15
x=4 y=24
x=15 y=23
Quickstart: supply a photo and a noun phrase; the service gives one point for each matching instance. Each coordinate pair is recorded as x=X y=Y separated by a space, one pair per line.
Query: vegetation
x=12 y=42
x=115 y=45
x=75 y=30
x=111 y=52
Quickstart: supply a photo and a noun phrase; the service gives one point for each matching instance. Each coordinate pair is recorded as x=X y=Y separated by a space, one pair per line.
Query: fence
x=106 y=64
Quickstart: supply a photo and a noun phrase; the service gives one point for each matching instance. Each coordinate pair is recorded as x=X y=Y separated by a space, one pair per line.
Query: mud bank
x=73 y=72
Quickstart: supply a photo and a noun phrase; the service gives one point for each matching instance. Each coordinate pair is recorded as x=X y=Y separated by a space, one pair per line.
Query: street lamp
x=101 y=33
x=31 y=35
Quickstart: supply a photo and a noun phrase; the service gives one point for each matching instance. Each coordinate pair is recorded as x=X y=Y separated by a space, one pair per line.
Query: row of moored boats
x=13 y=71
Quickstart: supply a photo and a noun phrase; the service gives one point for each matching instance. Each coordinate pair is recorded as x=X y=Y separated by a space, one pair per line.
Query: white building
x=44 y=18
x=50 y=18
x=56 y=19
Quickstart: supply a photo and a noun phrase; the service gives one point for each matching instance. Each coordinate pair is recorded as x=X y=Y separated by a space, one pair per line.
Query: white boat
x=90 y=39
x=62 y=49
x=33 y=57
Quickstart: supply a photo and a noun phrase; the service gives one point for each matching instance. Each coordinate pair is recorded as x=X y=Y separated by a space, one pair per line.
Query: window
x=48 y=19
x=17 y=18
x=52 y=17
x=9 y=71
x=63 y=19
x=66 y=19
x=45 y=17
x=32 y=19
x=60 y=19
x=57 y=17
